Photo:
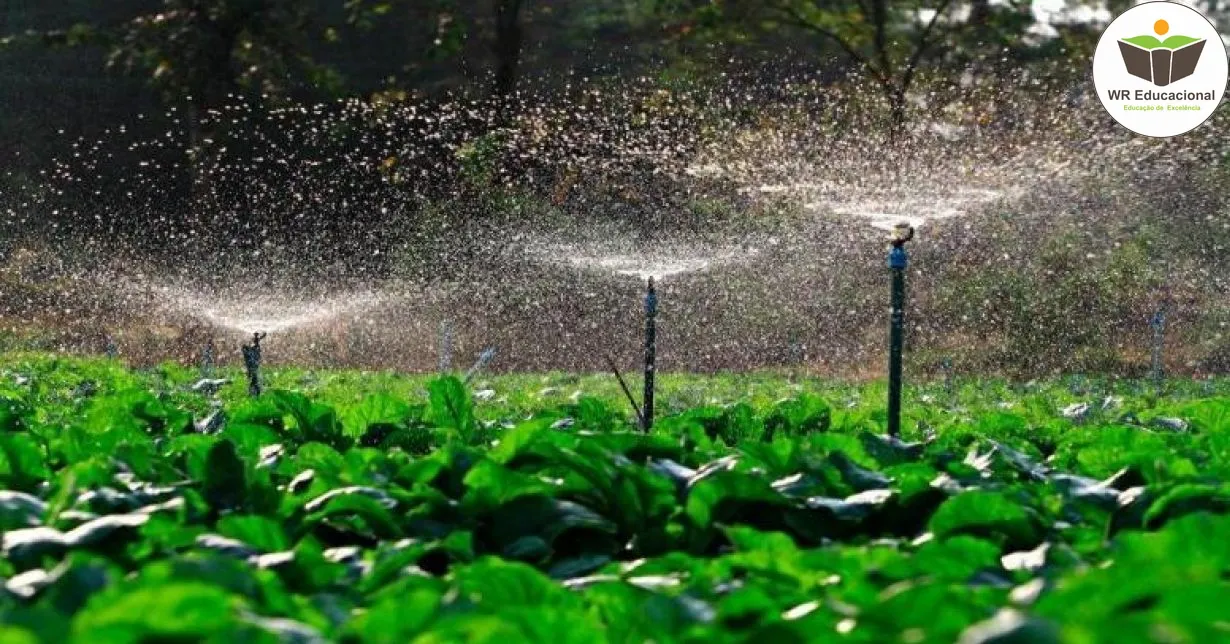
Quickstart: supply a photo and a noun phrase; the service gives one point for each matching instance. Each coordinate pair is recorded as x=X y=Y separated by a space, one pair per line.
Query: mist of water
x=377 y=221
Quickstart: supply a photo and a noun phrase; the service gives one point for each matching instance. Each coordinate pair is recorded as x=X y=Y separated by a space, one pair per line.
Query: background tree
x=202 y=54
x=887 y=40
x=508 y=43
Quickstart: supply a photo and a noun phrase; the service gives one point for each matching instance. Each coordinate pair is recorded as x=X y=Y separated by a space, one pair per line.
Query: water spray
x=651 y=354
x=252 y=361
x=897 y=262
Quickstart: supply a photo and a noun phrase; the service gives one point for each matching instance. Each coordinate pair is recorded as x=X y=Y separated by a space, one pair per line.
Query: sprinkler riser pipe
x=949 y=386
x=651 y=355
x=252 y=363
x=897 y=263
x=1159 y=337
x=207 y=361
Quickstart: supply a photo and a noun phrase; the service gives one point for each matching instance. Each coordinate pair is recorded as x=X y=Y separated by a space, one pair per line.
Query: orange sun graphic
x=1161 y=27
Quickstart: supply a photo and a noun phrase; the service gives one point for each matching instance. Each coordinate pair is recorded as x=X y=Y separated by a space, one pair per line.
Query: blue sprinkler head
x=897 y=258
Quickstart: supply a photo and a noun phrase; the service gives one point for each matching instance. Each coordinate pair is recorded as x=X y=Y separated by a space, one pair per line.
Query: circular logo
x=1160 y=69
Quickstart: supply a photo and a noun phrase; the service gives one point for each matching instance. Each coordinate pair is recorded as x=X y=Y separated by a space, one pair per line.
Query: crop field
x=154 y=506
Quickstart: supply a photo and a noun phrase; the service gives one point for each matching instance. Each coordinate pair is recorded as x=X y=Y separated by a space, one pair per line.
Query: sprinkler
x=252 y=361
x=112 y=351
x=651 y=354
x=207 y=360
x=797 y=352
x=897 y=262
x=949 y=387
x=1158 y=322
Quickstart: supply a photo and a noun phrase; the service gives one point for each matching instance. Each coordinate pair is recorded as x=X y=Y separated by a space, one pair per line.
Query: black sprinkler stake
x=252 y=361
x=897 y=263
x=207 y=360
x=1159 y=342
x=651 y=355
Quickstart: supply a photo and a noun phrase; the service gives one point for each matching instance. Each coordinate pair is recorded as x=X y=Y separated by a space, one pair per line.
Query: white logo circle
x=1160 y=69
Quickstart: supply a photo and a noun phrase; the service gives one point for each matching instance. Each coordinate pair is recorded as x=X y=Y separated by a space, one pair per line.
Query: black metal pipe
x=897 y=263
x=895 y=341
x=1159 y=339
x=252 y=362
x=207 y=360
x=651 y=355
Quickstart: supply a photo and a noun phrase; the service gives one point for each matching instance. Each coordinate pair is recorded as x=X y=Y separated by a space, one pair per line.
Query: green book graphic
x=1161 y=62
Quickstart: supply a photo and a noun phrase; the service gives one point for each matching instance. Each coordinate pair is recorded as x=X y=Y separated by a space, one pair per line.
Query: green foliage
x=756 y=518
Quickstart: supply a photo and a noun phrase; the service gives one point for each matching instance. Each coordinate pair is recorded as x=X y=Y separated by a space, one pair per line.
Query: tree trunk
x=508 y=41
x=896 y=110
x=980 y=13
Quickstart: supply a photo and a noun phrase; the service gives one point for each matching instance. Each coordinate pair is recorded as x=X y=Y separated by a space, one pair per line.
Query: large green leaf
x=225 y=483
x=260 y=532
x=990 y=515
x=802 y=415
x=375 y=409
x=451 y=407
x=179 y=611
x=312 y=421
x=22 y=464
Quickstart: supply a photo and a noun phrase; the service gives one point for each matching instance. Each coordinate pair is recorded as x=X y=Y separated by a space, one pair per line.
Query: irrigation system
x=897 y=263
x=1158 y=323
x=252 y=362
x=207 y=360
x=651 y=354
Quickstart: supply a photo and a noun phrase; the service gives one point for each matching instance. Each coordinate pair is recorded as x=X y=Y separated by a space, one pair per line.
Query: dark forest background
x=77 y=67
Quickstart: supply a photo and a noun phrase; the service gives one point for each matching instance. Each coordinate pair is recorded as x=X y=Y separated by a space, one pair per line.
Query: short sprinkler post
x=252 y=362
x=207 y=360
x=797 y=351
x=651 y=355
x=897 y=263
x=112 y=350
x=1158 y=323
x=949 y=386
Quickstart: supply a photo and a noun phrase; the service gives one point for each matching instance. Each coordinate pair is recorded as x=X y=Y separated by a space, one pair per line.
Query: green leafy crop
x=378 y=508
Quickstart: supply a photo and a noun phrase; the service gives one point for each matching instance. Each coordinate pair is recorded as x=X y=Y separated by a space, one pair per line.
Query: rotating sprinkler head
x=902 y=233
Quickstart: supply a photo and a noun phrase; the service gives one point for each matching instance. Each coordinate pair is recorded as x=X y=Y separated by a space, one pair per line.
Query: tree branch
x=879 y=15
x=922 y=45
x=793 y=17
